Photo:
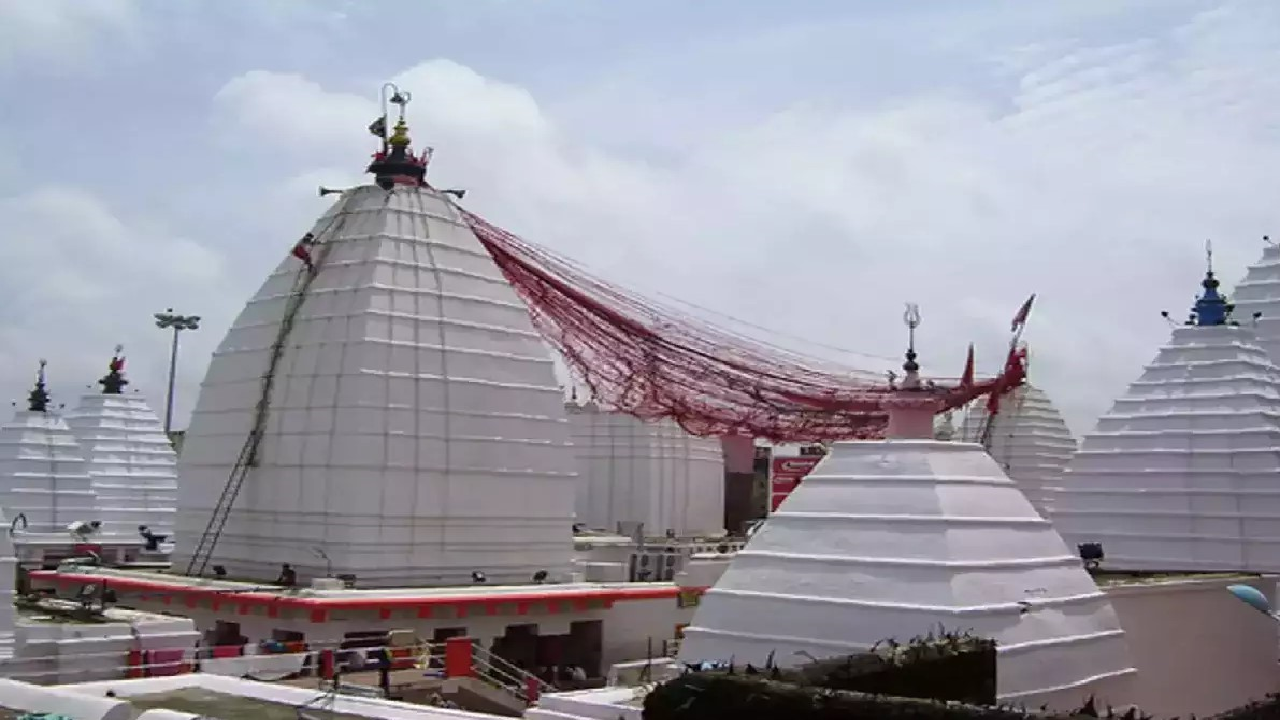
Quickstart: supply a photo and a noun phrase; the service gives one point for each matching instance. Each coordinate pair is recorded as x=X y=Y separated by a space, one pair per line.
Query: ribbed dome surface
x=43 y=473
x=1029 y=439
x=1183 y=473
x=131 y=463
x=890 y=539
x=1259 y=291
x=416 y=431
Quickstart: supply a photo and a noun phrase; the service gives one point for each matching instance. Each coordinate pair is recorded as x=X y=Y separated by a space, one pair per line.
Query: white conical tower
x=1028 y=438
x=131 y=462
x=889 y=539
x=43 y=475
x=1258 y=296
x=414 y=431
x=1181 y=473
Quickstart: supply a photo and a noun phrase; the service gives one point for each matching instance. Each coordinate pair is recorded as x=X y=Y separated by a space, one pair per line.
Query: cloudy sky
x=805 y=166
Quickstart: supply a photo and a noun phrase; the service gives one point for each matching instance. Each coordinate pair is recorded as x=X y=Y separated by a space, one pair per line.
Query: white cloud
x=62 y=31
x=1088 y=170
x=79 y=279
x=1094 y=184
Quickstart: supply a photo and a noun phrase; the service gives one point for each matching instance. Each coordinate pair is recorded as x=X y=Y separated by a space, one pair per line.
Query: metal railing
x=504 y=675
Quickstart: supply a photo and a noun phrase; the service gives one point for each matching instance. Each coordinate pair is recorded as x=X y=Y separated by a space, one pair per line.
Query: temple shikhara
x=1180 y=474
x=886 y=537
x=1030 y=440
x=433 y=461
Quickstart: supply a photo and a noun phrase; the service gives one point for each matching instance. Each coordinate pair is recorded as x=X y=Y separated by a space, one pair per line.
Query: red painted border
x=319 y=607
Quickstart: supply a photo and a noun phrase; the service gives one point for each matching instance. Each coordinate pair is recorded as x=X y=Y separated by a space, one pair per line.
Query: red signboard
x=785 y=474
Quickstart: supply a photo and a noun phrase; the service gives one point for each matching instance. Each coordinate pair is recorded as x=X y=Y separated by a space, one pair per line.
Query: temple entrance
x=519 y=646
x=584 y=646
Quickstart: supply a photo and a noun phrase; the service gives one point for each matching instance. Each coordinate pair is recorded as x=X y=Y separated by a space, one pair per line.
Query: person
x=288 y=576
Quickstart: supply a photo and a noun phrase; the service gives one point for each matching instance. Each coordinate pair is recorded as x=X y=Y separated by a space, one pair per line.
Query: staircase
x=520 y=686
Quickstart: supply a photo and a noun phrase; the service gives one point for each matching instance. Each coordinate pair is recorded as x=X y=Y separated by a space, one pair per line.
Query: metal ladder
x=249 y=452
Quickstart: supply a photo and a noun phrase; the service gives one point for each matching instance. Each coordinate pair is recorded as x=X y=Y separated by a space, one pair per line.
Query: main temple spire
x=396 y=164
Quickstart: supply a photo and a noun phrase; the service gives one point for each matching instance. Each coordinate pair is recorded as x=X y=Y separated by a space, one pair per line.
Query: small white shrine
x=1027 y=437
x=655 y=473
x=889 y=539
x=381 y=408
x=131 y=463
x=44 y=480
x=1181 y=473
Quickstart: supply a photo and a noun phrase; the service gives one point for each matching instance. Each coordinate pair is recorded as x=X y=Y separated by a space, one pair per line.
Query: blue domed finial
x=1211 y=307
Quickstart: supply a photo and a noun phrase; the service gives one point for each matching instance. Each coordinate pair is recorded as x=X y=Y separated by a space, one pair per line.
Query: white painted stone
x=1259 y=291
x=888 y=540
x=1181 y=473
x=43 y=473
x=132 y=465
x=8 y=583
x=416 y=430
x=58 y=701
x=1029 y=439
x=654 y=473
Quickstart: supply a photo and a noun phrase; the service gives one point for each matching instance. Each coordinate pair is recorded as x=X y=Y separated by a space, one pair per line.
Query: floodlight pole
x=165 y=321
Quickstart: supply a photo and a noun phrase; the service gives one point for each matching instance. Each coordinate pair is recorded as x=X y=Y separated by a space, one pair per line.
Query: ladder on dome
x=249 y=452
x=988 y=422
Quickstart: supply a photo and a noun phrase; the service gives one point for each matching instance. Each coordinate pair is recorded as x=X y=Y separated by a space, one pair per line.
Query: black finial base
x=113 y=384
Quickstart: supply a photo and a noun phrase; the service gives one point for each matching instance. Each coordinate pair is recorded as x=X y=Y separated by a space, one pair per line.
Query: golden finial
x=400 y=135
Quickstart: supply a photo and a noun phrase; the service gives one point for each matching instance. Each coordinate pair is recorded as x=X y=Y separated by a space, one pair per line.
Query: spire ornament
x=1211 y=308
x=38 y=399
x=396 y=164
x=114 y=382
x=911 y=318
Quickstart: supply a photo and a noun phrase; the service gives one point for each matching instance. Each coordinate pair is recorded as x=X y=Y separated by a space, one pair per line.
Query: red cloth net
x=652 y=362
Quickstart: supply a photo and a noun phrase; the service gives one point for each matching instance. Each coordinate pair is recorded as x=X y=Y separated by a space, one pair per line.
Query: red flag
x=966 y=380
x=1021 y=318
x=117 y=361
x=302 y=250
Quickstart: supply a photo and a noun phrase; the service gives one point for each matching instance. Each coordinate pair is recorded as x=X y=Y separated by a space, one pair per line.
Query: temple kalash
x=388 y=503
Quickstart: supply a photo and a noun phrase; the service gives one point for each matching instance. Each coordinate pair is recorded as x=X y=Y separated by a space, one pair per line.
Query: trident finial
x=1208 y=255
x=398 y=97
x=911 y=318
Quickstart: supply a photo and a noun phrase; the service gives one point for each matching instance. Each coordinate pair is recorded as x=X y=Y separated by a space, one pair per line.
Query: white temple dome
x=1181 y=473
x=1028 y=438
x=415 y=433
x=131 y=463
x=43 y=474
x=890 y=539
x=651 y=472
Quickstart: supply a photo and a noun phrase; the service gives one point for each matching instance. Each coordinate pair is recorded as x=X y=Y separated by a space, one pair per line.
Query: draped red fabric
x=653 y=362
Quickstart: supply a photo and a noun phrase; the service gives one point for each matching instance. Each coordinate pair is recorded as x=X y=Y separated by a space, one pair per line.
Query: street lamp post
x=165 y=321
